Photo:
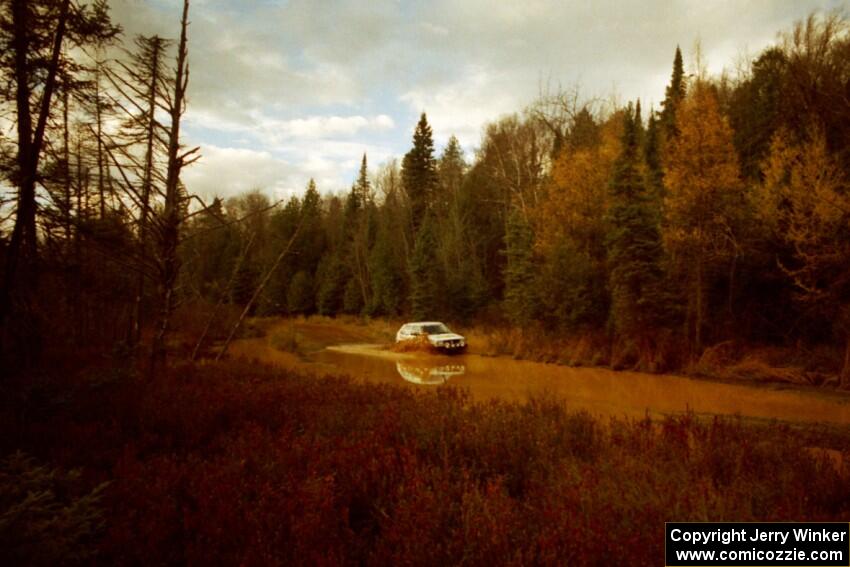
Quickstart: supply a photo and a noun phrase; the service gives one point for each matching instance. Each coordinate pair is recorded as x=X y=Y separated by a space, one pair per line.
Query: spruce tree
x=452 y=166
x=387 y=280
x=419 y=173
x=584 y=132
x=652 y=157
x=423 y=273
x=639 y=130
x=360 y=228
x=352 y=298
x=455 y=252
x=283 y=225
x=351 y=211
x=673 y=95
x=330 y=284
x=633 y=243
x=519 y=271
x=756 y=109
x=362 y=188
x=300 y=296
x=311 y=241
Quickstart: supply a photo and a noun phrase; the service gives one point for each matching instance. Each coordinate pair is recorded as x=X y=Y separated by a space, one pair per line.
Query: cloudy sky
x=285 y=90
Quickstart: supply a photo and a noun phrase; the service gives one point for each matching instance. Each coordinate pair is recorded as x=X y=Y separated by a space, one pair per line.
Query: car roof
x=423 y=323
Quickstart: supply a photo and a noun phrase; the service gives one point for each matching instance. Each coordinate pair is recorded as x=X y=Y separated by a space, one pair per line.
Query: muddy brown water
x=599 y=391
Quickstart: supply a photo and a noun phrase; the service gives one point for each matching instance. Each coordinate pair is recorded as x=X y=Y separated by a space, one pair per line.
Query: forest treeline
x=723 y=214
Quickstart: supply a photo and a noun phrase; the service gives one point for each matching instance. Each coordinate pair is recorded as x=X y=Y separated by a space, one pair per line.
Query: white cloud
x=462 y=107
x=435 y=29
x=328 y=126
x=229 y=171
x=281 y=91
x=262 y=126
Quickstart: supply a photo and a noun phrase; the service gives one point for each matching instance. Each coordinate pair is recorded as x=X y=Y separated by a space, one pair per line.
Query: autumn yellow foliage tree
x=570 y=227
x=577 y=198
x=704 y=201
x=804 y=201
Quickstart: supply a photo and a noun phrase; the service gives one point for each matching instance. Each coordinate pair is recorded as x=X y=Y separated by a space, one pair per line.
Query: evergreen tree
x=633 y=243
x=352 y=298
x=311 y=240
x=519 y=272
x=212 y=249
x=584 y=132
x=456 y=255
x=451 y=169
x=572 y=289
x=652 y=157
x=360 y=228
x=386 y=275
x=351 y=211
x=282 y=226
x=330 y=284
x=423 y=273
x=673 y=95
x=419 y=173
x=247 y=278
x=755 y=109
x=362 y=188
x=640 y=133
x=299 y=296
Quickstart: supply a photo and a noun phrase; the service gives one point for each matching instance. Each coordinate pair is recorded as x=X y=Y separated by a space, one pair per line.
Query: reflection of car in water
x=429 y=374
x=437 y=333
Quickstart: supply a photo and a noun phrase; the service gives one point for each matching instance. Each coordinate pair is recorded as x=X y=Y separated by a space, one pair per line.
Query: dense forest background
x=723 y=215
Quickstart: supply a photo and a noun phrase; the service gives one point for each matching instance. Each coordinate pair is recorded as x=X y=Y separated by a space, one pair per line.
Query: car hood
x=443 y=337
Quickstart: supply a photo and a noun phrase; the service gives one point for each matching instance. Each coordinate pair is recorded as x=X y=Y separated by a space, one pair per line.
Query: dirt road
x=330 y=347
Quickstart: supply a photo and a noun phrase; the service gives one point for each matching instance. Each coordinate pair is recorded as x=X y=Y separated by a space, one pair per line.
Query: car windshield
x=436 y=329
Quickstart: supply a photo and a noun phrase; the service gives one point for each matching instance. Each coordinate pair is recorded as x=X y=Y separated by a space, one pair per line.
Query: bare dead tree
x=168 y=224
x=143 y=80
x=557 y=111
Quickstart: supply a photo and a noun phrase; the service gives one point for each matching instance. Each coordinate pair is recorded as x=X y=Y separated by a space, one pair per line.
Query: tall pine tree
x=311 y=242
x=359 y=229
x=519 y=273
x=634 y=246
x=450 y=168
x=424 y=277
x=419 y=173
x=673 y=95
x=362 y=188
x=386 y=275
x=652 y=156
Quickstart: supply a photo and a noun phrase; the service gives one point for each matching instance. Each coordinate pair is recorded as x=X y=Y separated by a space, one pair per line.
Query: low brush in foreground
x=234 y=463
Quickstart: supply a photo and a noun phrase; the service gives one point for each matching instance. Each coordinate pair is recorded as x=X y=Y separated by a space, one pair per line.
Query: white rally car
x=437 y=333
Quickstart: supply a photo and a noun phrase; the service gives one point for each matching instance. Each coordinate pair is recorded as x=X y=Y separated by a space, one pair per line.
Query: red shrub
x=230 y=464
